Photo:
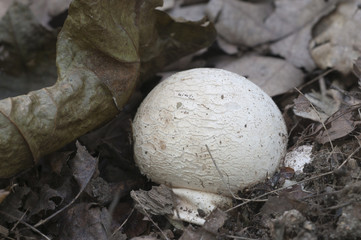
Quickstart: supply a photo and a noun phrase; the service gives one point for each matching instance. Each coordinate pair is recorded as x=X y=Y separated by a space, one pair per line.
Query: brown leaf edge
x=99 y=55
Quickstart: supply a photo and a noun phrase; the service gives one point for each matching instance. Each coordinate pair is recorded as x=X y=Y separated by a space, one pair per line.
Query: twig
x=122 y=225
x=318 y=114
x=27 y=225
x=305 y=180
x=150 y=219
x=316 y=78
x=237 y=237
x=41 y=222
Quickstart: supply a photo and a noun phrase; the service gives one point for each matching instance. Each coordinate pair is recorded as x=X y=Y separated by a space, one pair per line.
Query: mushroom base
x=194 y=206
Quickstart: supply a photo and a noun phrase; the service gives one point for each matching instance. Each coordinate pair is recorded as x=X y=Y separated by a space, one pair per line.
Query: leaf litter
x=83 y=192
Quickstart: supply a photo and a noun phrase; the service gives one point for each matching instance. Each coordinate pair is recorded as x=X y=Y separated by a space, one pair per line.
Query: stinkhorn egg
x=206 y=133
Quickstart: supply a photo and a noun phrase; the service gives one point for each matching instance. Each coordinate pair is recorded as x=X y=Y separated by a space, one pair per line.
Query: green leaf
x=101 y=51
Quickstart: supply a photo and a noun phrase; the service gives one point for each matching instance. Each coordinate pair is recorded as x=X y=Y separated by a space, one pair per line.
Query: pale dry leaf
x=227 y=47
x=250 y=23
x=241 y=22
x=337 y=39
x=167 y=5
x=45 y=10
x=295 y=48
x=4 y=5
x=275 y=76
x=191 y=13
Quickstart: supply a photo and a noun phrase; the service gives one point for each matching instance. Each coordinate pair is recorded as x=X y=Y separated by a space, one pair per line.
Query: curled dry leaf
x=102 y=49
x=337 y=40
x=275 y=76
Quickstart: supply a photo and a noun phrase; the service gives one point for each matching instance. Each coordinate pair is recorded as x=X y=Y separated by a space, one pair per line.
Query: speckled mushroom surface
x=240 y=124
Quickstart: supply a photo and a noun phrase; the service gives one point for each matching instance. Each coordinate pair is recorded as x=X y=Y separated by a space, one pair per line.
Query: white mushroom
x=200 y=109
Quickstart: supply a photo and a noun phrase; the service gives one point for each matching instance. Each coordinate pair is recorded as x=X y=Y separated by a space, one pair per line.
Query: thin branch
x=303 y=181
x=122 y=225
x=27 y=225
x=318 y=114
x=150 y=219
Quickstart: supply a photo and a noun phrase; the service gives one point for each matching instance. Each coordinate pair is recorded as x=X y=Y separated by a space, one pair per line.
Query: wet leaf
x=336 y=44
x=103 y=48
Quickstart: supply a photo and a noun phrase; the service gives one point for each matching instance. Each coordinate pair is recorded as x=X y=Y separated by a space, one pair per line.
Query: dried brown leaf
x=338 y=125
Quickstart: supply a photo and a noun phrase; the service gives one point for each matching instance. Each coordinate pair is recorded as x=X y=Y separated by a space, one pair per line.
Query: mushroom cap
x=241 y=125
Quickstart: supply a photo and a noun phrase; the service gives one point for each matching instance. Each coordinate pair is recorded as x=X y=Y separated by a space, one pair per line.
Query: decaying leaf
x=275 y=76
x=193 y=12
x=3 y=194
x=292 y=224
x=248 y=23
x=316 y=106
x=209 y=230
x=241 y=22
x=339 y=125
x=27 y=53
x=45 y=10
x=86 y=221
x=103 y=48
x=357 y=68
x=83 y=166
x=337 y=40
x=157 y=201
x=295 y=47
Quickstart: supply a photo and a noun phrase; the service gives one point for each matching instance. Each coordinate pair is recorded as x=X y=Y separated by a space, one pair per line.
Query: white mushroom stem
x=193 y=206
